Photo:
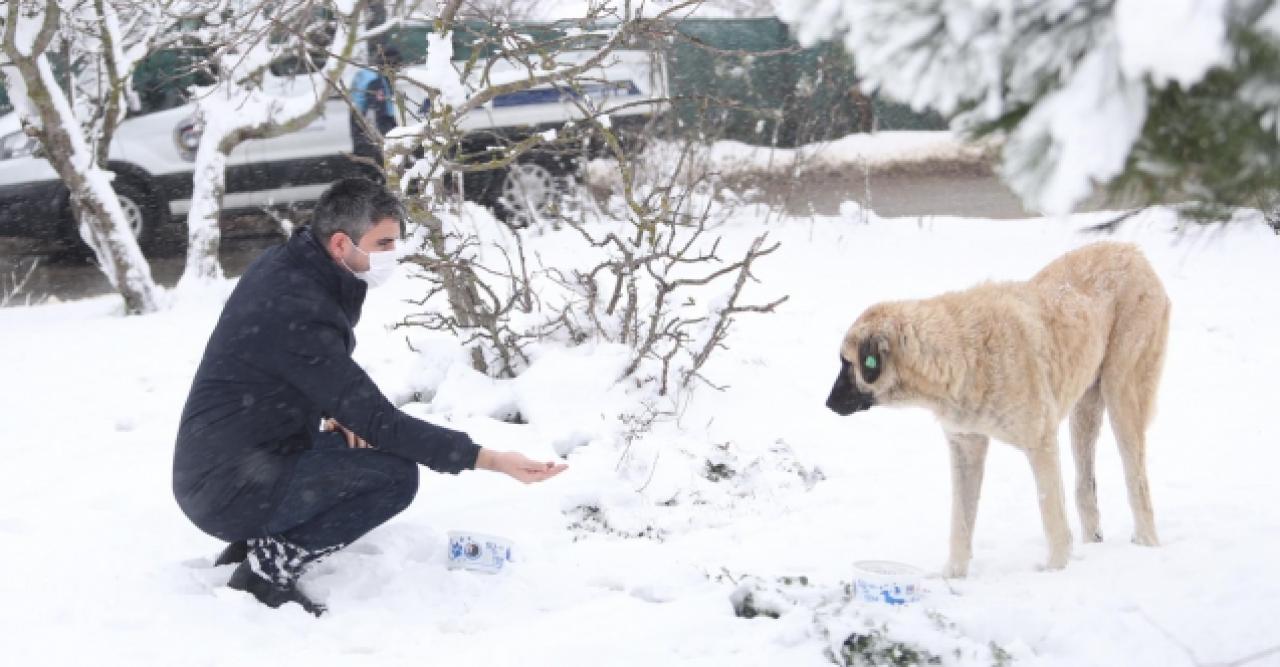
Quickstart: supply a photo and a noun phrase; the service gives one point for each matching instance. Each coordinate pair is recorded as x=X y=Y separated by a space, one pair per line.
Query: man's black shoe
x=245 y=579
x=235 y=552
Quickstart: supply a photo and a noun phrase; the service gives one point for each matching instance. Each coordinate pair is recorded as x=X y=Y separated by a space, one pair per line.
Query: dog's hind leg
x=1129 y=390
x=1129 y=413
x=1128 y=424
x=1053 y=505
x=968 y=456
x=1086 y=422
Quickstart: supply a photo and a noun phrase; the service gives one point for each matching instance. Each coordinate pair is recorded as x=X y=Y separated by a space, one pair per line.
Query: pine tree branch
x=1114 y=223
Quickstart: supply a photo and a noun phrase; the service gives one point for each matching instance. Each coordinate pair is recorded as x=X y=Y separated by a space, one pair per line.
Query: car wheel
x=141 y=214
x=141 y=211
x=134 y=215
x=526 y=191
x=476 y=185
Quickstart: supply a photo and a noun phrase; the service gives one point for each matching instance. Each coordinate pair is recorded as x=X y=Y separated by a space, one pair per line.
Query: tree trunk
x=103 y=227
x=102 y=221
x=866 y=110
x=203 y=234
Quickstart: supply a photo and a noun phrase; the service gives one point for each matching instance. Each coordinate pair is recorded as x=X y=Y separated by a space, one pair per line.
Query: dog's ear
x=882 y=345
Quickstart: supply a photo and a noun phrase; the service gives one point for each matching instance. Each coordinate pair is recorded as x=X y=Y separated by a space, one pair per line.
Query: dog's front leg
x=1053 y=507
x=968 y=456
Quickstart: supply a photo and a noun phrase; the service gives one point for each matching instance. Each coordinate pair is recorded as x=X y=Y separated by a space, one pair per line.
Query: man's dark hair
x=352 y=206
x=387 y=56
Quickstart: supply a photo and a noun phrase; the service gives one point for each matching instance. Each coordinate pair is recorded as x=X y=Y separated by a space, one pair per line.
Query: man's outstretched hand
x=517 y=465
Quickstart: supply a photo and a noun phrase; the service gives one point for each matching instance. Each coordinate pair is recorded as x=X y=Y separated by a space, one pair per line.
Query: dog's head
x=867 y=374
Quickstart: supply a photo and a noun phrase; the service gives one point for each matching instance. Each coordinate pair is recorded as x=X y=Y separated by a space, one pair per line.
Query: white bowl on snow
x=886 y=582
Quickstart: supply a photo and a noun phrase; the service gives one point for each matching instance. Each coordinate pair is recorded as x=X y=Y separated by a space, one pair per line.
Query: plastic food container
x=477 y=551
x=886 y=582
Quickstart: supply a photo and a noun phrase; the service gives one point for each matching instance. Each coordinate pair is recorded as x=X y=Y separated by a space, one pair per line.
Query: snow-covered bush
x=647 y=270
x=14 y=285
x=667 y=288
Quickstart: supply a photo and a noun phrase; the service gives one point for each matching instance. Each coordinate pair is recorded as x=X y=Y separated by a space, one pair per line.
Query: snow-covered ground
x=878 y=152
x=632 y=555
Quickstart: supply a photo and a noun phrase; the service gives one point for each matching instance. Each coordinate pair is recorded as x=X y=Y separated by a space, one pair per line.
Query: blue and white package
x=476 y=551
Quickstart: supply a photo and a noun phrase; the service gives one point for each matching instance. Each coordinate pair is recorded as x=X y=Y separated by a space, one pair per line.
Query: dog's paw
x=1058 y=561
x=955 y=570
x=1146 y=540
x=1093 y=536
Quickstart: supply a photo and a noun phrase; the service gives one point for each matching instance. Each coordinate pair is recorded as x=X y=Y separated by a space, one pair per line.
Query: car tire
x=141 y=212
x=475 y=185
x=528 y=190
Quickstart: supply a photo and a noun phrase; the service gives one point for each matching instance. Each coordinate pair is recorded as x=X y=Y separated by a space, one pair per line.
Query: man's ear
x=337 y=245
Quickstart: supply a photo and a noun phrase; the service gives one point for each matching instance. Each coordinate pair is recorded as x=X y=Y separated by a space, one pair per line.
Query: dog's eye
x=870 y=362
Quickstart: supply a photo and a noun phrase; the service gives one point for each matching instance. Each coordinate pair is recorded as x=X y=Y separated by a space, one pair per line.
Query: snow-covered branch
x=1073 y=86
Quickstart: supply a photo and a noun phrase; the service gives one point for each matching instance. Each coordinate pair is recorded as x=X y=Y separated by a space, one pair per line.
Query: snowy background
x=632 y=555
x=1083 y=78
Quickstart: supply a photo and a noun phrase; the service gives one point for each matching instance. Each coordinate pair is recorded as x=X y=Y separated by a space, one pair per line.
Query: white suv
x=152 y=155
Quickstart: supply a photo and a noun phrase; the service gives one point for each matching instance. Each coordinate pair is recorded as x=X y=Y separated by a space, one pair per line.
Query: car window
x=163 y=79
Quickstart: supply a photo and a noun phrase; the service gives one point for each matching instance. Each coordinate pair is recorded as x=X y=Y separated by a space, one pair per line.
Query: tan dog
x=1010 y=361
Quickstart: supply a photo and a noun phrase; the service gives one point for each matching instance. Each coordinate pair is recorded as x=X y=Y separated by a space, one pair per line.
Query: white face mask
x=382 y=265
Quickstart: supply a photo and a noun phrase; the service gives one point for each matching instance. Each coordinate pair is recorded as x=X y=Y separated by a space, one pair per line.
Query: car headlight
x=17 y=145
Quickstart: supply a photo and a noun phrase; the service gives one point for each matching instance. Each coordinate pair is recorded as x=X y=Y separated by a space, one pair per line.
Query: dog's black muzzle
x=845 y=399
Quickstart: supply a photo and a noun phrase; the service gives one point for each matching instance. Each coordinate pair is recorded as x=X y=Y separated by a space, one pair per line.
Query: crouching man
x=252 y=466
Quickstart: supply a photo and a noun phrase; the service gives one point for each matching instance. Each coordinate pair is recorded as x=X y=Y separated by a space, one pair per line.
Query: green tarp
x=747 y=79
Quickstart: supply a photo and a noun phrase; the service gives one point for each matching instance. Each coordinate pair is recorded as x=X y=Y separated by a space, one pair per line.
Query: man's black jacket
x=278 y=360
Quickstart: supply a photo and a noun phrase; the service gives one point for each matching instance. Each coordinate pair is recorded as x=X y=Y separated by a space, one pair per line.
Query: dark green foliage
x=749 y=80
x=873 y=648
x=1210 y=142
x=1214 y=143
x=1271 y=211
x=591 y=519
x=747 y=606
x=1002 y=657
x=718 y=471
